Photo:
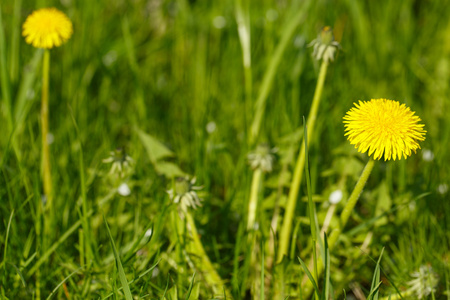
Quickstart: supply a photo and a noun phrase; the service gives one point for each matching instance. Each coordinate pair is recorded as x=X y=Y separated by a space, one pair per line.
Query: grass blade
x=123 y=278
x=311 y=278
x=191 y=284
x=375 y=280
x=62 y=282
x=4 y=77
x=326 y=283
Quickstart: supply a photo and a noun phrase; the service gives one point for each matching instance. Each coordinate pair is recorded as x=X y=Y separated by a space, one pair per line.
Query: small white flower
x=427 y=155
x=335 y=197
x=211 y=127
x=109 y=58
x=442 y=188
x=155 y=272
x=219 y=22
x=50 y=138
x=124 y=190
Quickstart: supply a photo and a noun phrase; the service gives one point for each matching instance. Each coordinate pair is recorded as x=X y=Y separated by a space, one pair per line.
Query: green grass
x=155 y=77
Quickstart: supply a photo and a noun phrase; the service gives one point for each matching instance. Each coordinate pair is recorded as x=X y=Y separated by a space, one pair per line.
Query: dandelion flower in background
x=382 y=126
x=47 y=28
x=184 y=194
x=325 y=47
x=121 y=163
x=424 y=282
x=262 y=158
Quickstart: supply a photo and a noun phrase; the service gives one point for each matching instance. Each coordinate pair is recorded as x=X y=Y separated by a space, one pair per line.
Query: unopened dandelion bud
x=184 y=194
x=325 y=47
x=121 y=163
x=262 y=158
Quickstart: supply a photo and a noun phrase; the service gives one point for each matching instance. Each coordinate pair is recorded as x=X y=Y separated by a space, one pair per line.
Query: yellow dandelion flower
x=384 y=126
x=47 y=28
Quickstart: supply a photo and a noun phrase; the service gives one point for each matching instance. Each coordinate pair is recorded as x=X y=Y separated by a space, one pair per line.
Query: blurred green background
x=174 y=70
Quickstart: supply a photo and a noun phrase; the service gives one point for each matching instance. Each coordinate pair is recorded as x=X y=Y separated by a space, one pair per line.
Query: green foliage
x=166 y=82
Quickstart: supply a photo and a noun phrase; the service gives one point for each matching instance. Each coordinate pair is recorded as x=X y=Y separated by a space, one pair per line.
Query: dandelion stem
x=295 y=184
x=356 y=192
x=311 y=206
x=210 y=272
x=46 y=168
x=253 y=202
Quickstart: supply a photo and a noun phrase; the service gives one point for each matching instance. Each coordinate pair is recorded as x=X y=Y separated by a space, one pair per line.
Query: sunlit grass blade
x=90 y=255
x=376 y=280
x=4 y=76
x=136 y=279
x=19 y=273
x=63 y=281
x=311 y=205
x=269 y=75
x=22 y=106
x=236 y=281
x=55 y=245
x=191 y=284
x=122 y=277
x=311 y=278
x=5 y=250
x=15 y=35
x=261 y=295
x=327 y=282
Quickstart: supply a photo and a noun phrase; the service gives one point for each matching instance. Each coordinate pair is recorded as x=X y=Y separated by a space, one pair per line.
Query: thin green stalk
x=351 y=202
x=14 y=52
x=46 y=168
x=261 y=295
x=253 y=202
x=5 y=250
x=311 y=207
x=243 y=22
x=269 y=75
x=356 y=192
x=211 y=274
x=4 y=77
x=295 y=184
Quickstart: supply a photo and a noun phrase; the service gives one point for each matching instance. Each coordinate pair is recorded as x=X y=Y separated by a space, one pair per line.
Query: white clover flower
x=262 y=158
x=325 y=47
x=184 y=194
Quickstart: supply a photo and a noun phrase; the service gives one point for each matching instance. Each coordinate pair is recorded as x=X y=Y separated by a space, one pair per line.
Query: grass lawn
x=198 y=149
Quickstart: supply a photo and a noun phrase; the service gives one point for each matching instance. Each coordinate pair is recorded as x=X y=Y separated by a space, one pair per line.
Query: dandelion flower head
x=47 y=28
x=383 y=126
